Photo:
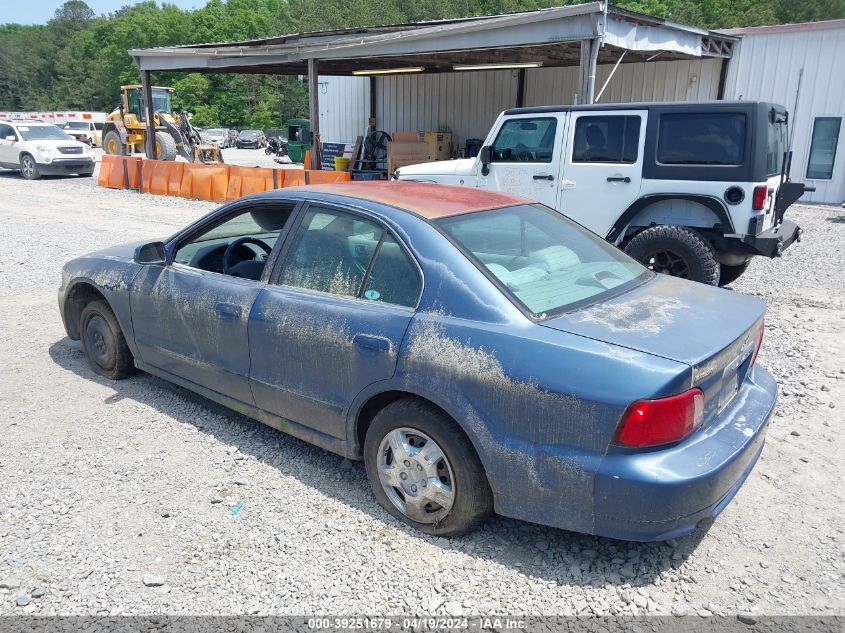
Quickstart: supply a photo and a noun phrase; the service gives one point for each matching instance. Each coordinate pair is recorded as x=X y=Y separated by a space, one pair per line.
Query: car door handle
x=228 y=310
x=625 y=179
x=543 y=177
x=370 y=345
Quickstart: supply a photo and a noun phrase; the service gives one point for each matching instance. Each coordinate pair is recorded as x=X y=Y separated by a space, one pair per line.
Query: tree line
x=79 y=60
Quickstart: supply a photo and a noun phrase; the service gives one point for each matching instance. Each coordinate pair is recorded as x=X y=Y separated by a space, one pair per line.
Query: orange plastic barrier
x=294 y=177
x=119 y=172
x=323 y=176
x=161 y=177
x=244 y=181
x=205 y=182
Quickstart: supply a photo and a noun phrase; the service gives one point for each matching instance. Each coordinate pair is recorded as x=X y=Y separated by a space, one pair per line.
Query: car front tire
x=103 y=342
x=29 y=168
x=424 y=471
x=677 y=251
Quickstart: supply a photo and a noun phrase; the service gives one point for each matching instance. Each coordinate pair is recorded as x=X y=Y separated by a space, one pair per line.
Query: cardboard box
x=406 y=148
x=440 y=144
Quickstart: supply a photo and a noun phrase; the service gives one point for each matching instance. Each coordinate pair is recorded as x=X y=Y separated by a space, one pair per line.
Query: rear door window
x=696 y=138
x=525 y=140
x=606 y=139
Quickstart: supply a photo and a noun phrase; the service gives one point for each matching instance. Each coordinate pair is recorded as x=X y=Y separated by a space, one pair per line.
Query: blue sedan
x=478 y=351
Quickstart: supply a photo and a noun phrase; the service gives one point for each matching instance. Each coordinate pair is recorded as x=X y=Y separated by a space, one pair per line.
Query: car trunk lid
x=714 y=331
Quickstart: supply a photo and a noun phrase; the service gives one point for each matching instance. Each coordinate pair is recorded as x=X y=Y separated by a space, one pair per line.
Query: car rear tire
x=165 y=146
x=112 y=144
x=103 y=342
x=29 y=168
x=424 y=471
x=678 y=251
x=729 y=274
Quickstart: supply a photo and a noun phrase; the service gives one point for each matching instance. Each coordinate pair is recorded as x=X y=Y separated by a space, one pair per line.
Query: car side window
x=331 y=252
x=6 y=130
x=346 y=255
x=393 y=277
x=699 y=138
x=256 y=228
x=525 y=140
x=606 y=139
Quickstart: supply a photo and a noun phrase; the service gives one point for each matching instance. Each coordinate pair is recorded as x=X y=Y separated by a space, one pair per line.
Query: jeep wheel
x=676 y=251
x=730 y=274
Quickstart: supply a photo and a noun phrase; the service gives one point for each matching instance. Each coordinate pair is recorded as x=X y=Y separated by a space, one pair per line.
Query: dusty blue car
x=478 y=351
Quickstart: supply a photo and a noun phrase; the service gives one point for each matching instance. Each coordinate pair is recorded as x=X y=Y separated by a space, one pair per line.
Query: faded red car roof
x=426 y=199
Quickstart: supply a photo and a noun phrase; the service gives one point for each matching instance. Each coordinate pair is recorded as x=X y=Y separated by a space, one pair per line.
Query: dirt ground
x=118 y=498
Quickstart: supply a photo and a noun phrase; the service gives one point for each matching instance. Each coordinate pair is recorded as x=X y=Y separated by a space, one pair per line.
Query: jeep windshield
x=543 y=261
x=42 y=133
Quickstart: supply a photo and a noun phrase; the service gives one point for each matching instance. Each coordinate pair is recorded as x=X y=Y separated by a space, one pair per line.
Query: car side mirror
x=12 y=138
x=486 y=157
x=152 y=253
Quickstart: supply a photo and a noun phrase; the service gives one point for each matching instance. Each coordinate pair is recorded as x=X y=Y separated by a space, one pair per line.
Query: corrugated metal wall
x=646 y=81
x=344 y=108
x=467 y=103
x=766 y=67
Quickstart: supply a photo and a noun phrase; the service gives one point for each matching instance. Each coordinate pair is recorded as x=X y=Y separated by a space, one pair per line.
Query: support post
x=520 y=88
x=146 y=87
x=314 y=111
x=587 y=69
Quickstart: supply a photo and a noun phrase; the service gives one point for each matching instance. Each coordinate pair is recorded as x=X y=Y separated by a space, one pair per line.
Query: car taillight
x=759 y=344
x=758 y=200
x=662 y=421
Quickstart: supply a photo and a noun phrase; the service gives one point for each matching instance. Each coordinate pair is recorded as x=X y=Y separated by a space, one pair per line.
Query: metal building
x=801 y=66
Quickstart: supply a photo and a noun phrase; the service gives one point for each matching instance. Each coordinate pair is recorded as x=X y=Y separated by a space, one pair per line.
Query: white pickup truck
x=690 y=189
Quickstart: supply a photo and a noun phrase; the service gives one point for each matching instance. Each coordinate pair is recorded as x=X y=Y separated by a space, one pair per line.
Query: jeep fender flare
x=617 y=231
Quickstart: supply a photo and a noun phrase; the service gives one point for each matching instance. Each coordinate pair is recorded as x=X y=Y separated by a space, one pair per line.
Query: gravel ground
x=119 y=498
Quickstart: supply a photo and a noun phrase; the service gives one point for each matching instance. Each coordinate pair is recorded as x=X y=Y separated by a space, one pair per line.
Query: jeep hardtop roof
x=647 y=105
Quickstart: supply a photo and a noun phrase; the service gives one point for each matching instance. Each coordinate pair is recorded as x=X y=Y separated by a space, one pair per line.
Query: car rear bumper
x=773 y=242
x=62 y=167
x=660 y=494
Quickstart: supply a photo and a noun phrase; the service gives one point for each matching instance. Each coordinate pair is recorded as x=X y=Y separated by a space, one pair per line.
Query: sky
x=39 y=11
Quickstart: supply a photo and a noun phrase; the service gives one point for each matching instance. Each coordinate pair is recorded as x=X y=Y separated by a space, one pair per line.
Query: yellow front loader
x=125 y=129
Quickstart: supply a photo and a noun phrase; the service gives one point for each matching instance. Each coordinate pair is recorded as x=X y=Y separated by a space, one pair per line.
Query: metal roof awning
x=547 y=37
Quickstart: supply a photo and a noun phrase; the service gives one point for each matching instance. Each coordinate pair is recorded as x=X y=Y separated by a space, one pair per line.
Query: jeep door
x=602 y=166
x=525 y=157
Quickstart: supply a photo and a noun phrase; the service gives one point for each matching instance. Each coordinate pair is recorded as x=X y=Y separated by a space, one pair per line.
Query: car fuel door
x=602 y=166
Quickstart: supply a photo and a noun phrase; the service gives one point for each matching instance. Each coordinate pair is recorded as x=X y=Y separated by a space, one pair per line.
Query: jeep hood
x=459 y=167
x=674 y=318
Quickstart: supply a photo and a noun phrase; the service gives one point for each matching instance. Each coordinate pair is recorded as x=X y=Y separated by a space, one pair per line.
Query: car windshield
x=544 y=261
x=215 y=132
x=42 y=133
x=249 y=134
x=76 y=125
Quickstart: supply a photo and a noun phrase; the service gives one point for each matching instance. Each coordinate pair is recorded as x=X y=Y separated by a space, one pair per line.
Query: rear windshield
x=542 y=260
x=77 y=125
x=42 y=133
x=716 y=138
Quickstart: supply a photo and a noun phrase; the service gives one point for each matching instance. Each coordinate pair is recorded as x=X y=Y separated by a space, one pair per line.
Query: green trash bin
x=299 y=139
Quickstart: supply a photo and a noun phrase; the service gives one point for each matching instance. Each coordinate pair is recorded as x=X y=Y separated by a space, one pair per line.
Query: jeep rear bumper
x=773 y=242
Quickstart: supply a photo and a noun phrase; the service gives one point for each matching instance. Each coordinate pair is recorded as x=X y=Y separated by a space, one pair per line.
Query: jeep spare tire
x=677 y=251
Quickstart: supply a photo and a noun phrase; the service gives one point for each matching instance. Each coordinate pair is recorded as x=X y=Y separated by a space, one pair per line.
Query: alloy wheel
x=668 y=263
x=416 y=475
x=28 y=167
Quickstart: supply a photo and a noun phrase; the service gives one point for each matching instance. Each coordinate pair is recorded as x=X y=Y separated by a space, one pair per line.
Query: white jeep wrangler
x=694 y=190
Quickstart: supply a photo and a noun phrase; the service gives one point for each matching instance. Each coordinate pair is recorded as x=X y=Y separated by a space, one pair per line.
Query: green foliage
x=79 y=60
